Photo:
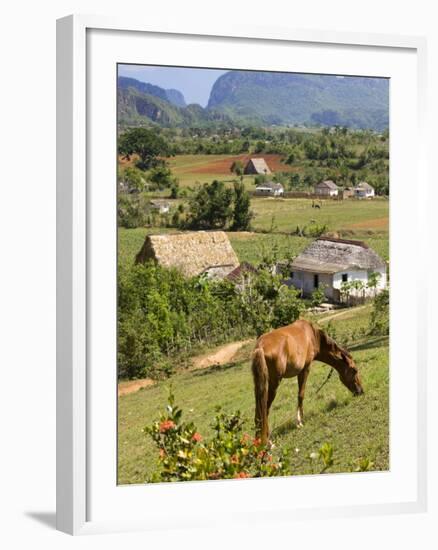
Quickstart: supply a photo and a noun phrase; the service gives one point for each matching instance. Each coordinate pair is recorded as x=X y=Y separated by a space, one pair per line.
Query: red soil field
x=223 y=166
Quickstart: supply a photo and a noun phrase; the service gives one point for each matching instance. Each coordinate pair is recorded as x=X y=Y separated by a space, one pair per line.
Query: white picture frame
x=77 y=367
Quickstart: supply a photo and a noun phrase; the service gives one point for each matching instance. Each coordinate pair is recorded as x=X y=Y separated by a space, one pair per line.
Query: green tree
x=132 y=178
x=147 y=144
x=373 y=281
x=294 y=181
x=161 y=176
x=242 y=213
x=237 y=168
x=211 y=206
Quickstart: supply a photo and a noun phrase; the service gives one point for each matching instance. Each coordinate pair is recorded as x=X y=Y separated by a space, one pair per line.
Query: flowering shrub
x=184 y=454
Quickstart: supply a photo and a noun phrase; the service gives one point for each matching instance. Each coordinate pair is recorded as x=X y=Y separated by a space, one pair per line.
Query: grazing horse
x=287 y=352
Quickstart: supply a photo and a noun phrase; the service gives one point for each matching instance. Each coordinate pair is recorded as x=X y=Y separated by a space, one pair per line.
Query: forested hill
x=172 y=96
x=285 y=98
x=259 y=98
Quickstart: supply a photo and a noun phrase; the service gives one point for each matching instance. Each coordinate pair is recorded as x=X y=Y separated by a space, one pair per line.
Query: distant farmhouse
x=193 y=253
x=363 y=190
x=331 y=262
x=257 y=166
x=163 y=207
x=270 y=189
x=327 y=188
x=347 y=192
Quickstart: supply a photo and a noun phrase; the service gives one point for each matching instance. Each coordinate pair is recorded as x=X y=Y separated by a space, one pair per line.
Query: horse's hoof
x=300 y=424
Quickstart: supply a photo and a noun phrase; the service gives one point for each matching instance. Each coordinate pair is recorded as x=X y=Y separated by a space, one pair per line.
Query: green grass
x=336 y=214
x=356 y=427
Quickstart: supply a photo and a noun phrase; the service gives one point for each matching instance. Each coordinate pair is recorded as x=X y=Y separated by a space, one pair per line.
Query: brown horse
x=287 y=352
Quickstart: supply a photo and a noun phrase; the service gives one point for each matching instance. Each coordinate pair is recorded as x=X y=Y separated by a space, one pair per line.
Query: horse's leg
x=302 y=379
x=273 y=386
x=274 y=382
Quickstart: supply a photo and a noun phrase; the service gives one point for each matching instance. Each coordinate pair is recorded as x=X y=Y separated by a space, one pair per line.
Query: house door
x=316 y=281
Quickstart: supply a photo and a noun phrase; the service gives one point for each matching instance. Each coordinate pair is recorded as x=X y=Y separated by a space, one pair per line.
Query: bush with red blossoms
x=185 y=455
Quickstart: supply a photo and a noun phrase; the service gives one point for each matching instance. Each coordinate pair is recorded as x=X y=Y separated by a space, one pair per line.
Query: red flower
x=261 y=454
x=257 y=441
x=162 y=453
x=242 y=475
x=234 y=459
x=166 y=425
x=245 y=438
x=197 y=437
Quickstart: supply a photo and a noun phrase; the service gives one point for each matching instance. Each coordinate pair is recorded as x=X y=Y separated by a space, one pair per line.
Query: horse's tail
x=261 y=384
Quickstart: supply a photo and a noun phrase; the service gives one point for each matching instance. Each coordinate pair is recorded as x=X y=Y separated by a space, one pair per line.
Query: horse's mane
x=330 y=342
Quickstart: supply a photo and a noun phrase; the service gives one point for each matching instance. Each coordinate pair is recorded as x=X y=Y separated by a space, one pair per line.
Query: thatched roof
x=257 y=166
x=328 y=184
x=192 y=253
x=327 y=255
x=241 y=270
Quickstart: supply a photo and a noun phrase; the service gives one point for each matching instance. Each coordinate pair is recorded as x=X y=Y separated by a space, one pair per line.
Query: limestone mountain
x=288 y=98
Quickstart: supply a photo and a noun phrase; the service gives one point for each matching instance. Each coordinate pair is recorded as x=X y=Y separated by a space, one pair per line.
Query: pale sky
x=195 y=84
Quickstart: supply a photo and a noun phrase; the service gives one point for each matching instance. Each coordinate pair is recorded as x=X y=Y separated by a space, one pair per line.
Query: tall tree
x=147 y=144
x=242 y=214
x=210 y=206
x=237 y=168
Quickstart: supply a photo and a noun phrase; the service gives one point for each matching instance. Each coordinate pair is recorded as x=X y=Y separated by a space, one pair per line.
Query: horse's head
x=348 y=373
x=339 y=358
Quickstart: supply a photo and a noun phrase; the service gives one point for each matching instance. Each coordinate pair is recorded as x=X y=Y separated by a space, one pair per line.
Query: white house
x=270 y=189
x=330 y=263
x=363 y=190
x=327 y=188
x=163 y=207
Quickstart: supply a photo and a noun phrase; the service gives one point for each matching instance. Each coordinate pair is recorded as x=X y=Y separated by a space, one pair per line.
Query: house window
x=345 y=277
x=316 y=280
x=292 y=274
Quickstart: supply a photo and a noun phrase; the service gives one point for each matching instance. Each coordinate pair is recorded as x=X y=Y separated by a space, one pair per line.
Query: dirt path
x=133 y=385
x=220 y=356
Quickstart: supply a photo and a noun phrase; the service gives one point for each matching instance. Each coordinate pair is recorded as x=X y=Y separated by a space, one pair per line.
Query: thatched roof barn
x=330 y=255
x=192 y=253
x=326 y=187
x=257 y=166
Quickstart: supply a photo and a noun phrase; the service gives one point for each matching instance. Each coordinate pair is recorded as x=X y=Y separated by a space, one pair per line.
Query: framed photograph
x=236 y=224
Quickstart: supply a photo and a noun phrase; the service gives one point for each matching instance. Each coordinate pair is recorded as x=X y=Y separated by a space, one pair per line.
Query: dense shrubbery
x=379 y=322
x=163 y=314
x=184 y=454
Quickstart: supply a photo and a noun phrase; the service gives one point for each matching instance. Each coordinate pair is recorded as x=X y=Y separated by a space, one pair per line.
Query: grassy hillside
x=356 y=427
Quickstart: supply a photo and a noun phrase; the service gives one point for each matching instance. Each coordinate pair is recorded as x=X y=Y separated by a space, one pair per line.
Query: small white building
x=331 y=263
x=270 y=189
x=364 y=190
x=163 y=207
x=327 y=188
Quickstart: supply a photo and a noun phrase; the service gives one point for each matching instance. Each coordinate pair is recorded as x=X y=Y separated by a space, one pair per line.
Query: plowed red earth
x=223 y=166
